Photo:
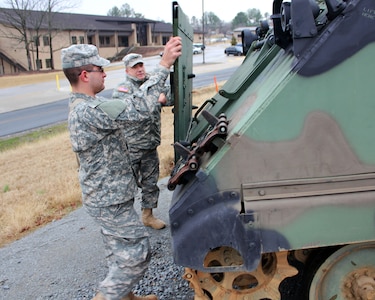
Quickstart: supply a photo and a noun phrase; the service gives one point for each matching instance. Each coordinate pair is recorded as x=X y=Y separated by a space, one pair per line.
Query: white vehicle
x=197 y=50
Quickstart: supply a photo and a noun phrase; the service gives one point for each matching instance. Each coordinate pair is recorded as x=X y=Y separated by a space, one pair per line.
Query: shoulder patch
x=94 y=103
x=112 y=108
x=123 y=89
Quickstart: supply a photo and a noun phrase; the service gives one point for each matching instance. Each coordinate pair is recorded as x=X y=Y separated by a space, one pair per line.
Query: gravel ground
x=65 y=260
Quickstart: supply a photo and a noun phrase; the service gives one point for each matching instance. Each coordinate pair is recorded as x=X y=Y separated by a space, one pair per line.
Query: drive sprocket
x=261 y=284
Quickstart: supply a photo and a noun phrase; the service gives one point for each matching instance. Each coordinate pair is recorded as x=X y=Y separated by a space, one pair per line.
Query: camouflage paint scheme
x=297 y=168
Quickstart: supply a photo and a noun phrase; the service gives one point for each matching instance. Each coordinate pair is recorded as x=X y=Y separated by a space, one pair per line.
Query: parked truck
x=274 y=181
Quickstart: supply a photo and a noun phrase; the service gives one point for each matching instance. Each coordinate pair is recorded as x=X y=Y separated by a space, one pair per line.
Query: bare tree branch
x=27 y=18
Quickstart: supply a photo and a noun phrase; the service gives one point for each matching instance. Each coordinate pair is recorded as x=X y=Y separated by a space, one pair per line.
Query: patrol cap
x=132 y=59
x=81 y=55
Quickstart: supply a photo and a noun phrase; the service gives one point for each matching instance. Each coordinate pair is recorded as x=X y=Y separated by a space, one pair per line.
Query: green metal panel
x=182 y=75
x=233 y=88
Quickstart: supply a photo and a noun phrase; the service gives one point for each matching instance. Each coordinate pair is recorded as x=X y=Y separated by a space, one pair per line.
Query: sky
x=161 y=10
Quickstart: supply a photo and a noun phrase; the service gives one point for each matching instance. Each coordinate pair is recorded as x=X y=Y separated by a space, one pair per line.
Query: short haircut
x=72 y=74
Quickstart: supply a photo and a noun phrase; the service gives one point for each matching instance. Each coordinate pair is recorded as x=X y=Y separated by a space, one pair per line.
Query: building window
x=74 y=40
x=165 y=40
x=46 y=40
x=123 y=41
x=48 y=63
x=104 y=41
x=36 y=41
x=38 y=64
x=81 y=39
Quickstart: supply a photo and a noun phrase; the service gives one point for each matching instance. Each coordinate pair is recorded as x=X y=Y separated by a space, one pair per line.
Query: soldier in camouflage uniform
x=144 y=140
x=106 y=178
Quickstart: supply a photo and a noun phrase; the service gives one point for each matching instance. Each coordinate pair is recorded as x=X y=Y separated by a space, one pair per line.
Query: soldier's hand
x=172 y=51
x=162 y=99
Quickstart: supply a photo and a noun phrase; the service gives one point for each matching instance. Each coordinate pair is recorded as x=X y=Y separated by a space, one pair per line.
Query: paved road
x=36 y=94
x=21 y=120
x=34 y=106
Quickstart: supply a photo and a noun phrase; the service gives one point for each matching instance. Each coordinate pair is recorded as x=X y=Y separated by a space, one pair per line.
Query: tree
x=213 y=22
x=52 y=7
x=114 y=12
x=254 y=16
x=125 y=11
x=18 y=18
x=28 y=18
x=36 y=23
x=240 y=20
x=195 y=22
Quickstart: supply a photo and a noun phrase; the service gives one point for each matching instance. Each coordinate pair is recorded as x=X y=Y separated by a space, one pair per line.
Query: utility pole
x=204 y=44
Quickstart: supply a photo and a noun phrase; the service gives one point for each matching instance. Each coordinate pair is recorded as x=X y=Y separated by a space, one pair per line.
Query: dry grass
x=39 y=180
x=39 y=184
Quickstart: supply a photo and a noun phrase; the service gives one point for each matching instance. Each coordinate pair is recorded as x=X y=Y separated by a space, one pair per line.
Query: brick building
x=110 y=34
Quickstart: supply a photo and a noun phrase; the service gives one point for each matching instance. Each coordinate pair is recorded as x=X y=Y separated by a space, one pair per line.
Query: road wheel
x=347 y=274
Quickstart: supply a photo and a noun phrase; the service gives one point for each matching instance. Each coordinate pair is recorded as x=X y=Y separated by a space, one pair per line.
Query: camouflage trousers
x=126 y=245
x=146 y=165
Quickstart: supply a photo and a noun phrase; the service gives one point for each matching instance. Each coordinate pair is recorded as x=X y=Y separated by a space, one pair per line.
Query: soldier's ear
x=84 y=75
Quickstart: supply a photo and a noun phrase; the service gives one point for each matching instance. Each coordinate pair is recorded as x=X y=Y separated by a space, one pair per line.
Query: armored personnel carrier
x=274 y=182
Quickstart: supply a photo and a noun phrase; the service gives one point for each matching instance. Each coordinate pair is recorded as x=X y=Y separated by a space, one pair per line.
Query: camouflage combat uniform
x=144 y=140
x=108 y=184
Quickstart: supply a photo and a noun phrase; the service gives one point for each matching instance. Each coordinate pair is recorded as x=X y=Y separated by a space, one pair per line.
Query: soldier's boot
x=99 y=296
x=150 y=221
x=131 y=296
